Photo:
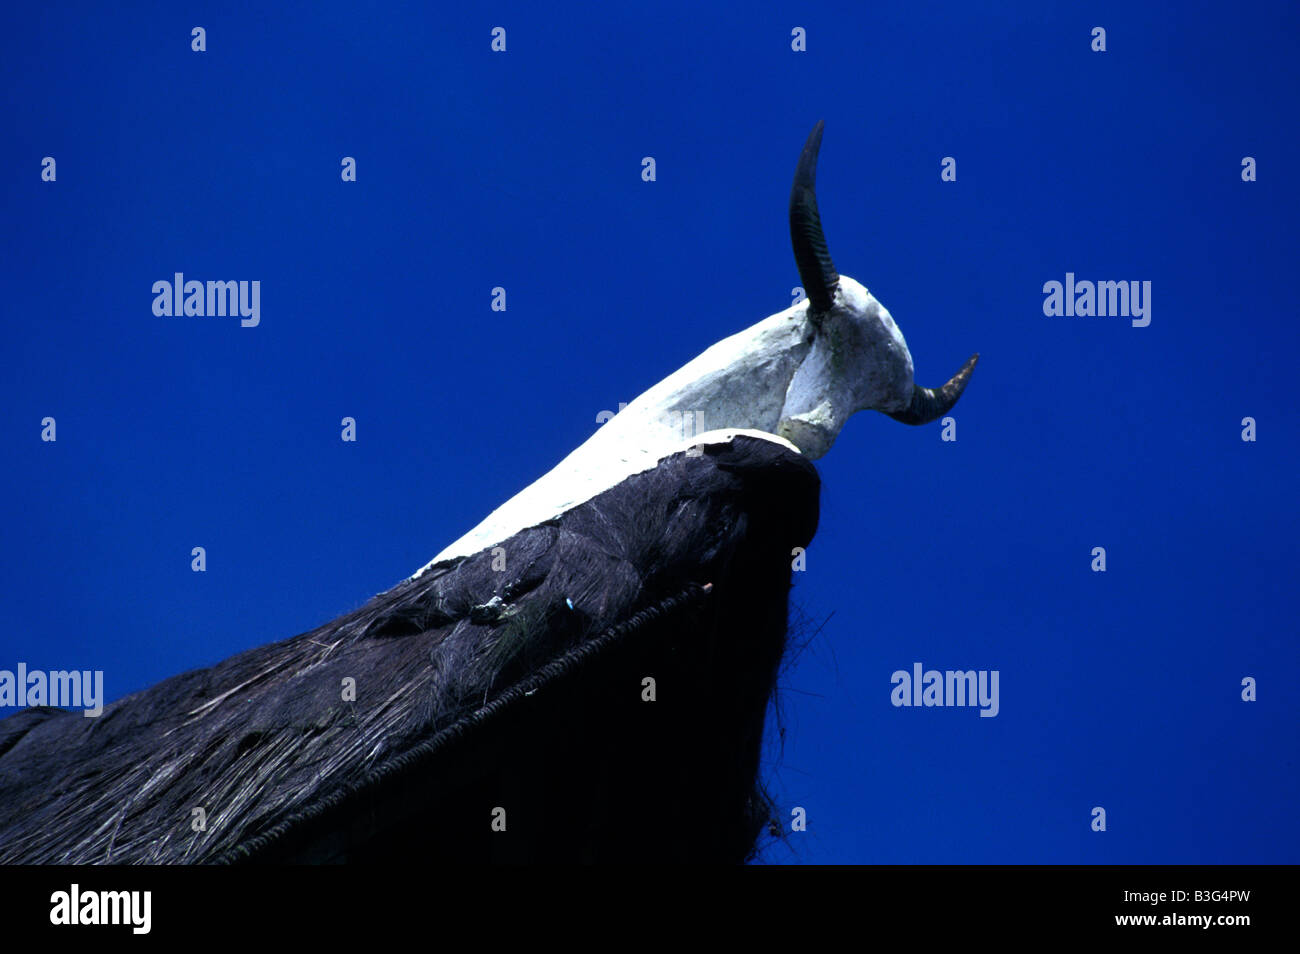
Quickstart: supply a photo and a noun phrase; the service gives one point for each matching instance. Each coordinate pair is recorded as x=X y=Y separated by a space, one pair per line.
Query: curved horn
x=929 y=404
x=816 y=270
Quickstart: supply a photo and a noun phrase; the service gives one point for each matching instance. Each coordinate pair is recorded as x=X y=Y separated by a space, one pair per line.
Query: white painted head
x=858 y=360
x=795 y=377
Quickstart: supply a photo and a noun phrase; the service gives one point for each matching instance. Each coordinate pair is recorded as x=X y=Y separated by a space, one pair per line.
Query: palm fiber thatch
x=512 y=679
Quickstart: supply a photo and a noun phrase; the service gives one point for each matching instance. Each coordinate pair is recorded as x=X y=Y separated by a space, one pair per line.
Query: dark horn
x=816 y=270
x=928 y=404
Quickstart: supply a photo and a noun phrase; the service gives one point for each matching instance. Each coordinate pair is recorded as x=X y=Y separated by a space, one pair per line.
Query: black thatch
x=465 y=703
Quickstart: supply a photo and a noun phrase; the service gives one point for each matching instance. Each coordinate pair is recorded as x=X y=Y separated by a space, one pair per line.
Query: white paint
x=781 y=380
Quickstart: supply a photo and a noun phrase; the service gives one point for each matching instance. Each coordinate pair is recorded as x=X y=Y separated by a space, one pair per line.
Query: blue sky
x=522 y=169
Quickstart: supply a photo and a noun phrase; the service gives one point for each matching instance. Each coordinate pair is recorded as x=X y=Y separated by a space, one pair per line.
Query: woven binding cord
x=553 y=671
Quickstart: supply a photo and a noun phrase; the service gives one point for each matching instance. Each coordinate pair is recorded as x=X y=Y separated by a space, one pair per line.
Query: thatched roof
x=531 y=702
